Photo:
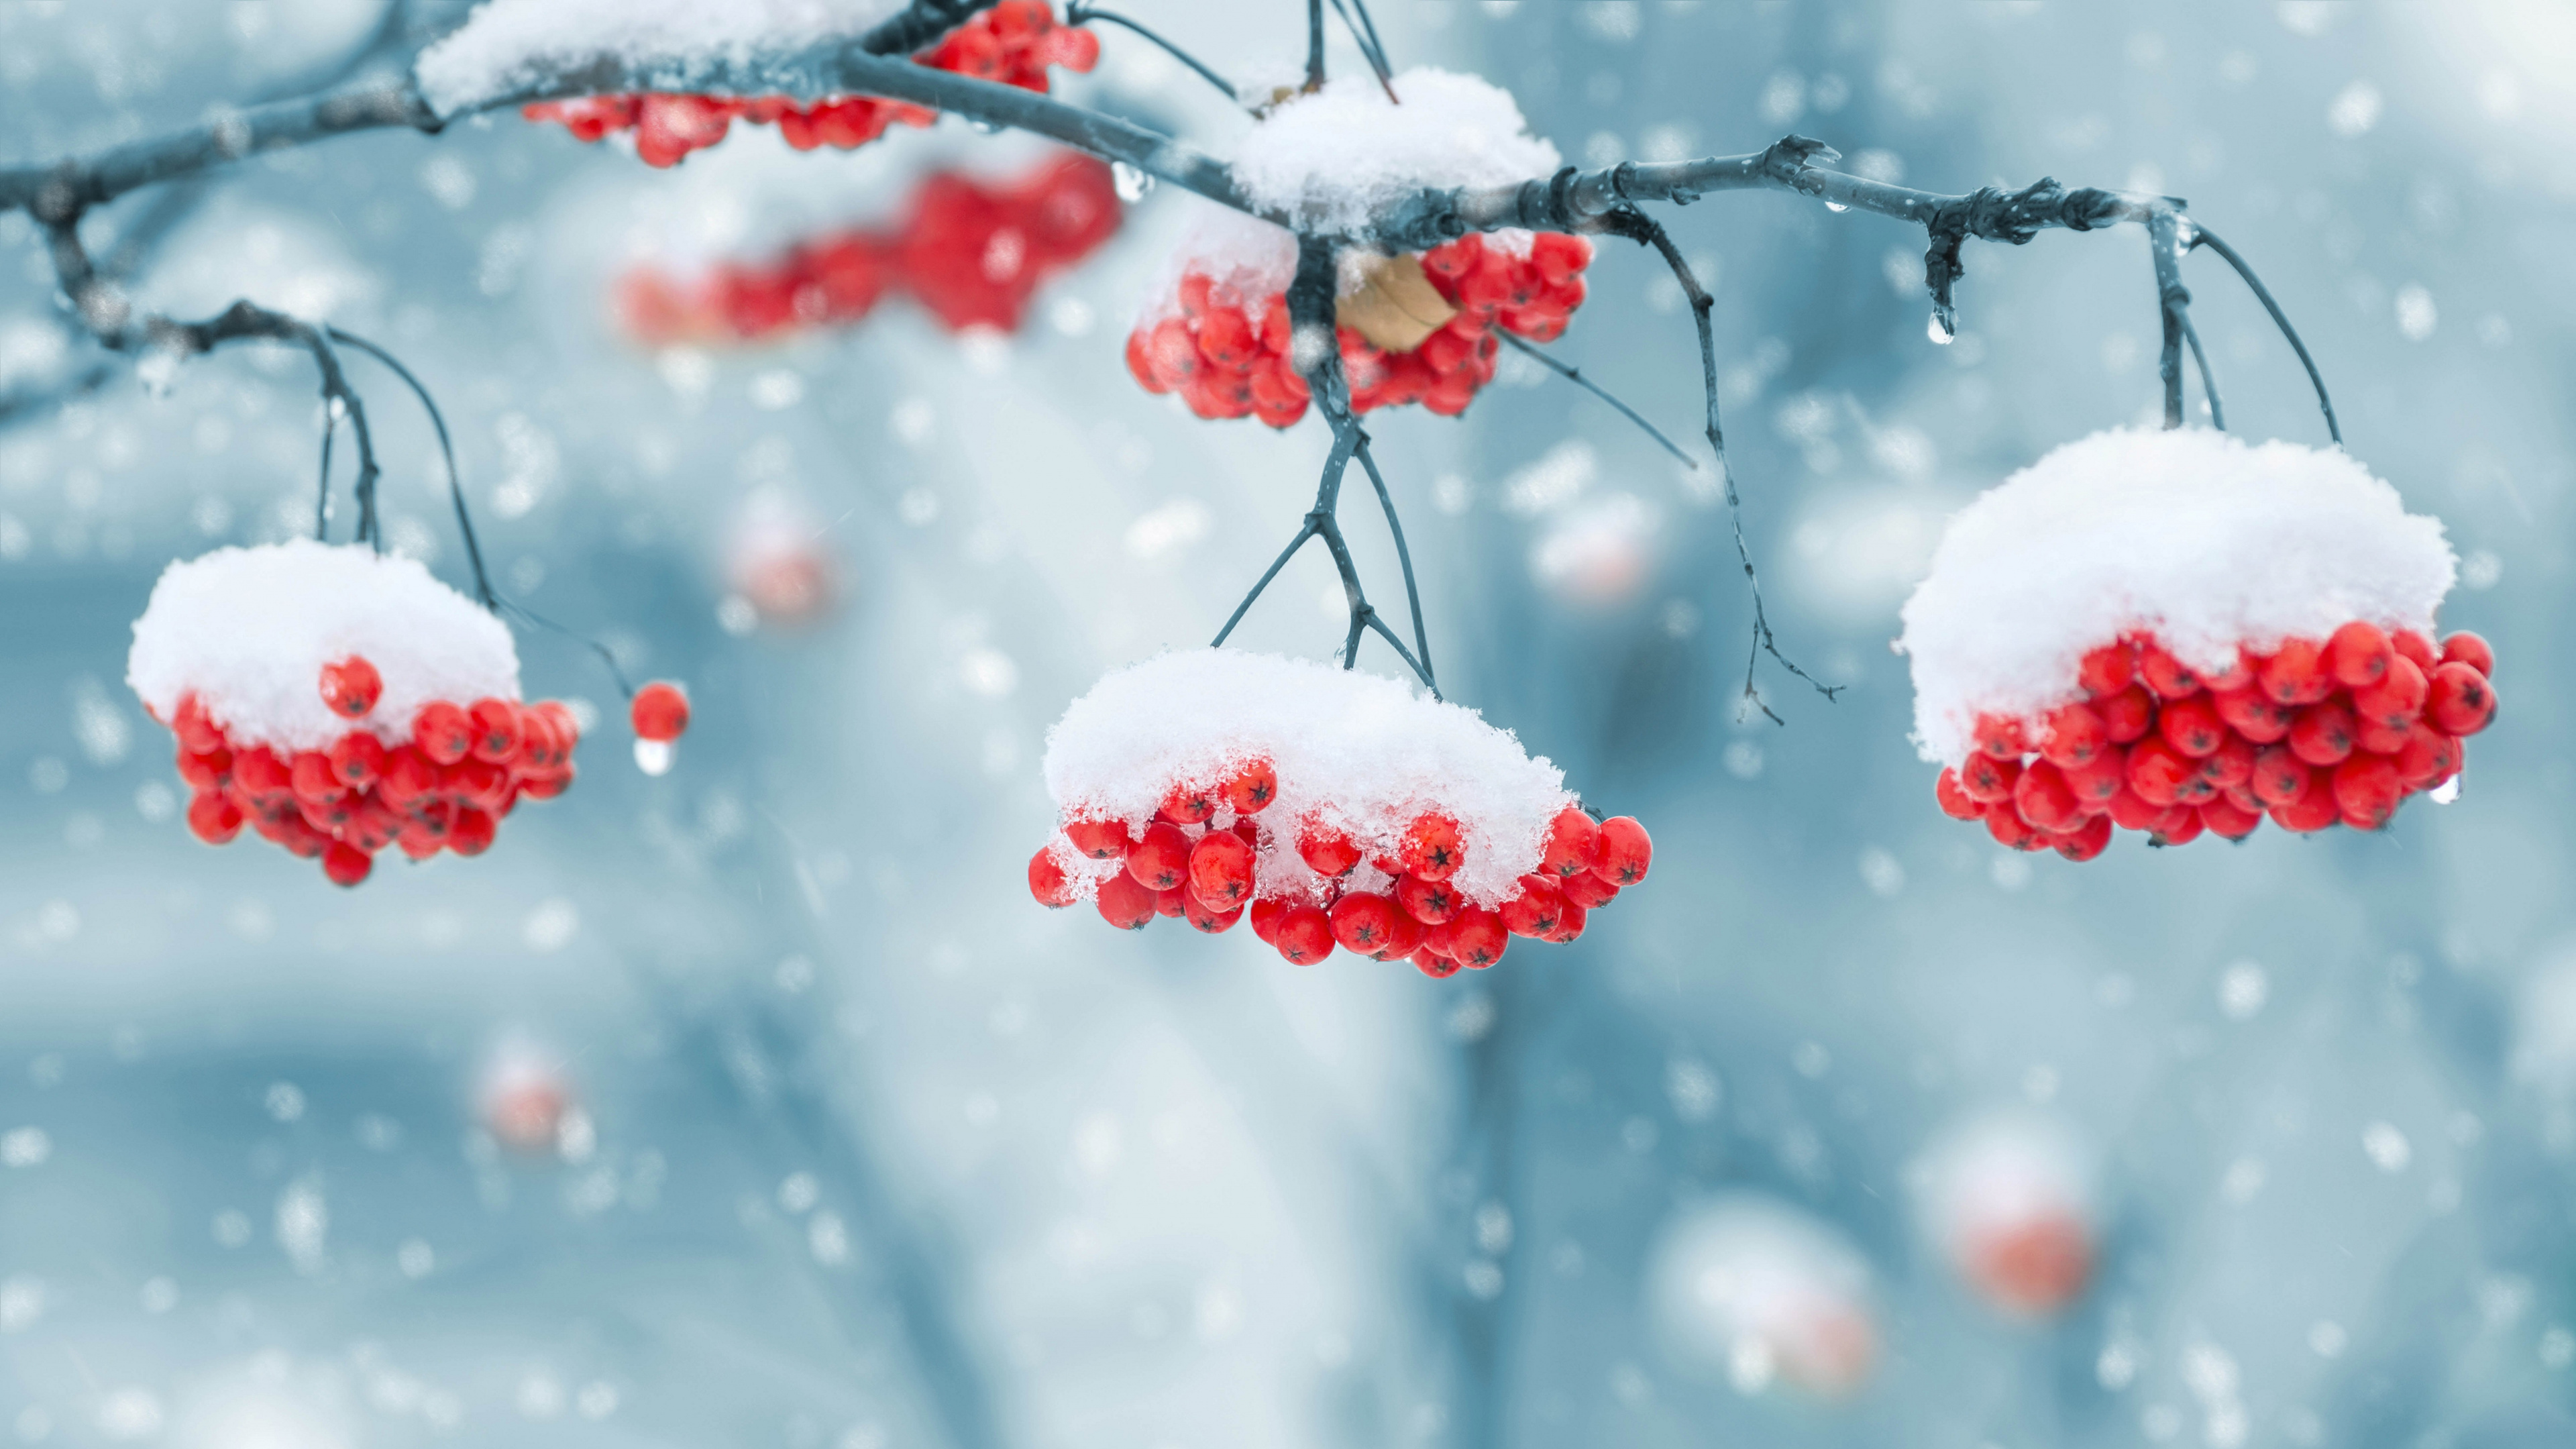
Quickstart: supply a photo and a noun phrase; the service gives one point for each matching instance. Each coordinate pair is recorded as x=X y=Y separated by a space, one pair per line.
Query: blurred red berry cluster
x=1228 y=355
x=445 y=786
x=1013 y=43
x=1184 y=864
x=2312 y=734
x=971 y=254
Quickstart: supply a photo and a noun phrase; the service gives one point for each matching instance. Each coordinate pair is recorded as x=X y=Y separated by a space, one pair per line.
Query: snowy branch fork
x=1607 y=200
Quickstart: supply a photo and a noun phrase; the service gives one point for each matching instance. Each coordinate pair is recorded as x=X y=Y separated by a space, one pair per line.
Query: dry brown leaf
x=1396 y=306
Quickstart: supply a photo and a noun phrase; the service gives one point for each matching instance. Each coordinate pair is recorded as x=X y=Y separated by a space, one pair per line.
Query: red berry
x=1431 y=848
x=2181 y=826
x=1304 y=935
x=2311 y=812
x=1127 y=903
x=2226 y=818
x=1477 y=938
x=261 y=775
x=496 y=730
x=1363 y=923
x=1188 y=805
x=1047 y=880
x=2107 y=670
x=2001 y=738
x=1099 y=839
x=2010 y=830
x=2231 y=764
x=2098 y=779
x=2255 y=715
x=2192 y=726
x=2043 y=799
x=2236 y=673
x=1434 y=965
x=207 y=771
x=1171 y=903
x=2428 y=758
x=1573 y=843
x=1327 y=850
x=470 y=833
x=1431 y=902
x=1403 y=938
x=346 y=864
x=1252 y=787
x=1955 y=802
x=314 y=779
x=1570 y=920
x=2458 y=700
x=659 y=711
x=2297 y=673
x=1265 y=917
x=1984 y=778
x=2130 y=811
x=2169 y=677
x=2085 y=841
x=2366 y=790
x=1214 y=923
x=2322 y=734
x=2075 y=735
x=2416 y=647
x=359 y=759
x=1161 y=860
x=1536 y=910
x=2357 y=655
x=2128 y=715
x=1220 y=870
x=197 y=731
x=2397 y=700
x=2158 y=771
x=213 y=818
x=2280 y=777
x=1592 y=890
x=351 y=686
x=443 y=732
x=2471 y=650
x=1626 y=851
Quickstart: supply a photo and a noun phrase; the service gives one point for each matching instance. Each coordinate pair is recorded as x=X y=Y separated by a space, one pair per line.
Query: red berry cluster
x=2312 y=734
x=1227 y=355
x=1012 y=43
x=970 y=254
x=1185 y=865
x=447 y=786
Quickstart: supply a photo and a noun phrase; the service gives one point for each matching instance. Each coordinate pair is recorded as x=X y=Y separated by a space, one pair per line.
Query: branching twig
x=1575 y=375
x=2208 y=380
x=1366 y=40
x=2202 y=236
x=447 y=457
x=1078 y=13
x=2173 y=302
x=1404 y=558
x=1638 y=227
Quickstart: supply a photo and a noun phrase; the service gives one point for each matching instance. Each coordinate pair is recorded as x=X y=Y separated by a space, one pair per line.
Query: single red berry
x=2366 y=791
x=1327 y=850
x=197 y=731
x=2416 y=647
x=314 y=779
x=2043 y=800
x=1265 y=917
x=2297 y=673
x=2158 y=771
x=2357 y=655
x=1127 y=903
x=1220 y=872
x=2255 y=715
x=346 y=864
x=2005 y=824
x=210 y=771
x=1214 y=923
x=1626 y=851
x=1569 y=923
x=1187 y=805
x=358 y=759
x=1535 y=910
x=1099 y=839
x=496 y=730
x=2397 y=700
x=443 y=732
x=1252 y=787
x=1403 y=938
x=2130 y=811
x=1171 y=903
x=2470 y=649
x=2169 y=677
x=659 y=711
x=2458 y=700
x=2192 y=726
x=2322 y=734
x=1984 y=778
x=2075 y=735
x=2181 y=826
x=2107 y=670
x=1048 y=882
x=351 y=686
x=1362 y=922
x=2309 y=813
x=2097 y=780
x=1304 y=935
x=1431 y=848
x=2428 y=758
x=1592 y=890
x=1434 y=965
x=2231 y=764
x=470 y=832
x=1573 y=843
x=2236 y=673
x=547 y=786
x=1477 y=938
x=213 y=818
x=478 y=784
x=1161 y=860
x=2128 y=715
x=1956 y=803
x=1431 y=902
x=2001 y=738
x=261 y=775
x=2085 y=841
x=2227 y=819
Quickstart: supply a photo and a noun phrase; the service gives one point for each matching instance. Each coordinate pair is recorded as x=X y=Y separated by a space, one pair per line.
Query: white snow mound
x=508 y=45
x=2196 y=535
x=1333 y=159
x=1360 y=752
x=249 y=629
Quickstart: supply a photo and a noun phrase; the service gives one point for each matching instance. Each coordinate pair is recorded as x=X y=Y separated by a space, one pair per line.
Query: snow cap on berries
x=249 y=630
x=508 y=44
x=2197 y=536
x=1360 y=752
x=1334 y=159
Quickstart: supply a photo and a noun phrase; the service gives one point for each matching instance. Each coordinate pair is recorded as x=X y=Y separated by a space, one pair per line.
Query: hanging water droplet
x=653 y=757
x=1836 y=206
x=1937 y=330
x=2447 y=791
x=1132 y=182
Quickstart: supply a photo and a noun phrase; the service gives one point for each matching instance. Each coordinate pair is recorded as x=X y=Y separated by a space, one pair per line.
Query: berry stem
x=2202 y=236
x=1575 y=375
x=2173 y=304
x=446 y=452
x=1078 y=13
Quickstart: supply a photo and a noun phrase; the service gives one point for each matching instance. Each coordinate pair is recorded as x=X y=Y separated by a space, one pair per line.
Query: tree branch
x=1078 y=13
x=1575 y=375
x=2173 y=302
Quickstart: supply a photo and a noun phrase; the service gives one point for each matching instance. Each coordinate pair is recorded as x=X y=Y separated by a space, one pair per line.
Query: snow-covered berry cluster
x=1331 y=808
x=1013 y=43
x=2314 y=733
x=2174 y=632
x=972 y=254
x=1417 y=329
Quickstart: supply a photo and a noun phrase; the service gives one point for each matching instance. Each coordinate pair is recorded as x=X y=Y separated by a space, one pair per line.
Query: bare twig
x=1078 y=13
x=447 y=456
x=1575 y=375
x=1314 y=45
x=2202 y=236
x=1366 y=40
x=2208 y=380
x=1403 y=557
x=2173 y=303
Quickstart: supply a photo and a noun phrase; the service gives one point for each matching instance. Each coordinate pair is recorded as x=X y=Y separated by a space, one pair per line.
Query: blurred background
x=756 y=1103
